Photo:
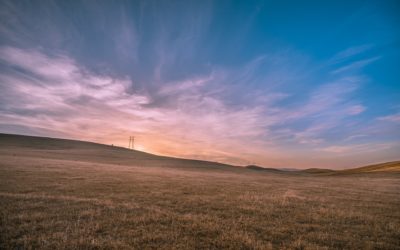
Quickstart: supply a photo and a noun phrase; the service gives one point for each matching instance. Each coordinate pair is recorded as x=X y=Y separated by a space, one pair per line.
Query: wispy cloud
x=350 y=53
x=356 y=65
x=77 y=102
x=357 y=148
x=391 y=118
x=53 y=91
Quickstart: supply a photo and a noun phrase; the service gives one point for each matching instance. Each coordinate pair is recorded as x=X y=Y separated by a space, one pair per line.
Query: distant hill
x=258 y=168
x=393 y=166
x=387 y=167
x=318 y=171
x=74 y=150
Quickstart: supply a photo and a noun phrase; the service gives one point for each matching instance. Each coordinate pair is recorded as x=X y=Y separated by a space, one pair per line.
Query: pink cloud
x=55 y=93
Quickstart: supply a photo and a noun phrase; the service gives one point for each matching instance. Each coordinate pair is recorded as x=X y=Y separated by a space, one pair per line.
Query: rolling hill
x=66 y=194
x=74 y=150
x=393 y=166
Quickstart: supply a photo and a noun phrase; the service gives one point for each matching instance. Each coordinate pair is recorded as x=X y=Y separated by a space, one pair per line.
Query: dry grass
x=52 y=200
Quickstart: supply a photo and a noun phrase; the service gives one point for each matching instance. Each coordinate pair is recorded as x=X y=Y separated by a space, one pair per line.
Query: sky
x=295 y=84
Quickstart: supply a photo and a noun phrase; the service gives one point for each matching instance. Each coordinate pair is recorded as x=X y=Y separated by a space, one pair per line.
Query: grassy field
x=58 y=194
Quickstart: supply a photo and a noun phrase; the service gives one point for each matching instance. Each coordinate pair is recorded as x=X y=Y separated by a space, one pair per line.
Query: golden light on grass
x=64 y=194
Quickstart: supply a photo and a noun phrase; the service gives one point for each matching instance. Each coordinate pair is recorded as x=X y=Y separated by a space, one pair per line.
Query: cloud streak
x=55 y=92
x=356 y=65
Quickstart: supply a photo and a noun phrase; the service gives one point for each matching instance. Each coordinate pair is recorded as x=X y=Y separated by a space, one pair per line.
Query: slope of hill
x=387 y=167
x=258 y=168
x=64 y=149
x=74 y=150
x=393 y=166
x=318 y=171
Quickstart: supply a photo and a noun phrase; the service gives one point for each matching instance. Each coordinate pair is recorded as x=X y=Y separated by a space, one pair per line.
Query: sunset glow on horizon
x=212 y=80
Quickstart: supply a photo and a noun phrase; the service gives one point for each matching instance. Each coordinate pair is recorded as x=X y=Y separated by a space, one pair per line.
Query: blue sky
x=288 y=84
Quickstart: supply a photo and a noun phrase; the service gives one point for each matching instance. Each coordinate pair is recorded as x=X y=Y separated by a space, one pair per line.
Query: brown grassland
x=59 y=194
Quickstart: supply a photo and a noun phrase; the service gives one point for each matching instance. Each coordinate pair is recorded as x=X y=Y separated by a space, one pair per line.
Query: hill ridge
x=87 y=150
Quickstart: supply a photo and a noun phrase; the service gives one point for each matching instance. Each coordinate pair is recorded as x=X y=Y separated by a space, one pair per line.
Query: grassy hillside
x=381 y=167
x=258 y=168
x=54 y=148
x=60 y=194
x=318 y=171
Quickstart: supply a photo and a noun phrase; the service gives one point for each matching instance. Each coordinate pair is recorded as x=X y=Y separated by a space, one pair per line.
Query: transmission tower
x=131 y=142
